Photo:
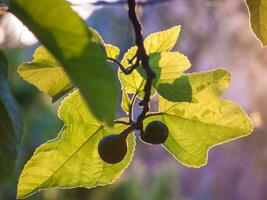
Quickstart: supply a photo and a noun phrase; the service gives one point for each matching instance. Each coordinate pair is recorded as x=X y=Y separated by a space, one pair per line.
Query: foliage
x=258 y=18
x=206 y=122
x=169 y=67
x=207 y=118
x=73 y=60
x=71 y=160
x=77 y=48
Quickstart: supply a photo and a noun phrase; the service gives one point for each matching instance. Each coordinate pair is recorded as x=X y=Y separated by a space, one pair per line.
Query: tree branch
x=141 y=54
x=125 y=70
x=122 y=122
x=119 y=3
x=153 y=114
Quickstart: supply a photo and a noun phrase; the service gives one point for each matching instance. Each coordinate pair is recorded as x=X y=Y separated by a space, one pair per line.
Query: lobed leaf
x=48 y=75
x=77 y=48
x=208 y=121
x=168 y=66
x=154 y=43
x=72 y=160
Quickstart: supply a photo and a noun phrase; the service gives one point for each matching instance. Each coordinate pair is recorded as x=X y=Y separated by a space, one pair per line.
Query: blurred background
x=215 y=33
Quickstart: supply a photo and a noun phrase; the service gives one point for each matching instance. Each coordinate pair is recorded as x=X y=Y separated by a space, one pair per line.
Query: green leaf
x=112 y=51
x=177 y=91
x=77 y=48
x=162 y=41
x=169 y=82
x=258 y=18
x=155 y=42
x=168 y=66
x=196 y=127
x=10 y=124
x=47 y=74
x=72 y=160
x=125 y=102
x=132 y=83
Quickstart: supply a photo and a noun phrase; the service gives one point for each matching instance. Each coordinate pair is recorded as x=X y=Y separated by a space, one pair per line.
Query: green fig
x=113 y=148
x=155 y=132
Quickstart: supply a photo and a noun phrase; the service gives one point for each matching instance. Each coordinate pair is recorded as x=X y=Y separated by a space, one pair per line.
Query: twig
x=141 y=54
x=119 y=3
x=153 y=114
x=125 y=70
x=122 y=122
x=132 y=59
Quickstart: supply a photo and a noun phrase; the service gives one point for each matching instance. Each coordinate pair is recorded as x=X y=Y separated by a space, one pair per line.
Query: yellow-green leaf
x=72 y=160
x=112 y=51
x=258 y=18
x=46 y=74
x=155 y=42
x=162 y=41
x=133 y=82
x=77 y=47
x=208 y=121
x=169 y=67
x=125 y=102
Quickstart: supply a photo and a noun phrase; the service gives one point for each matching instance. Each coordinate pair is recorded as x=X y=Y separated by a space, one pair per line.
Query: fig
x=155 y=132
x=113 y=148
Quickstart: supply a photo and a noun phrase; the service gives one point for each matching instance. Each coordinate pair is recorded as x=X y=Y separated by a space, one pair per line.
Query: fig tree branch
x=123 y=69
x=153 y=114
x=119 y=3
x=122 y=122
x=142 y=55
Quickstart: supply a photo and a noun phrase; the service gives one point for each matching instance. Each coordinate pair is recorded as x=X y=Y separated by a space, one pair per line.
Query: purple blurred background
x=215 y=34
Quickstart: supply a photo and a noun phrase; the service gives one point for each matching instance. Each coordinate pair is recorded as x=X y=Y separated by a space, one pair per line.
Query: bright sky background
x=11 y=25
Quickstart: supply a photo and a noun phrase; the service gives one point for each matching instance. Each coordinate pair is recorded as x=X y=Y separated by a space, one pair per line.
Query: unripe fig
x=155 y=132
x=113 y=148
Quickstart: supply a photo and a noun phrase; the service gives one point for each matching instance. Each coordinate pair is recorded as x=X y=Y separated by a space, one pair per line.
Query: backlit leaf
x=77 y=48
x=196 y=127
x=168 y=66
x=258 y=18
x=47 y=74
x=112 y=51
x=162 y=40
x=72 y=160
x=125 y=102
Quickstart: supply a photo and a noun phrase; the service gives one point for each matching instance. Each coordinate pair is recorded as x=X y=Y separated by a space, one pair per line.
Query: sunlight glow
x=12 y=27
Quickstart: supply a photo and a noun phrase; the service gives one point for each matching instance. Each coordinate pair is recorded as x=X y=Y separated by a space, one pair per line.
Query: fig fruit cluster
x=113 y=148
